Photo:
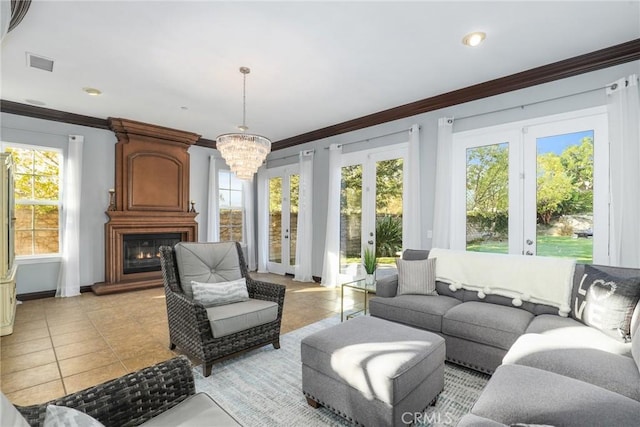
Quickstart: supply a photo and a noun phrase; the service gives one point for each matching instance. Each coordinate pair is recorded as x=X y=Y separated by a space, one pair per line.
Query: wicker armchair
x=129 y=400
x=189 y=326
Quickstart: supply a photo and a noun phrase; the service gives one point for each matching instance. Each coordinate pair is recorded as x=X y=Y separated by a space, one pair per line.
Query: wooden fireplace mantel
x=151 y=196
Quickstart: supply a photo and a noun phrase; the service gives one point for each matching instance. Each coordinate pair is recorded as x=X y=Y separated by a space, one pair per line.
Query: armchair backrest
x=209 y=262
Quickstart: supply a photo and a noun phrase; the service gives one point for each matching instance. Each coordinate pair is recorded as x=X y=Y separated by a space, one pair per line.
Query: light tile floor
x=63 y=345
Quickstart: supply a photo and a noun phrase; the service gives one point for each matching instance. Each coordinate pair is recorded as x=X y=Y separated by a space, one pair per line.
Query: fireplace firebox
x=140 y=251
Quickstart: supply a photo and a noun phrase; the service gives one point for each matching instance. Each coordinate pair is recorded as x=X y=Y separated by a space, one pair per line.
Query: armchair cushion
x=9 y=415
x=232 y=318
x=211 y=294
x=197 y=410
x=206 y=263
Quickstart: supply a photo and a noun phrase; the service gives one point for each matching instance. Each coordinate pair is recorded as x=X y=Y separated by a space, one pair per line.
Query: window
x=231 y=207
x=38 y=199
x=536 y=188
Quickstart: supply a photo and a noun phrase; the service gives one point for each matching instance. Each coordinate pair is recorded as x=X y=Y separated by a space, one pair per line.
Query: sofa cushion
x=521 y=394
x=485 y=323
x=231 y=318
x=421 y=311
x=609 y=301
x=416 y=277
x=549 y=322
x=206 y=263
x=599 y=367
x=220 y=293
x=197 y=410
x=471 y=420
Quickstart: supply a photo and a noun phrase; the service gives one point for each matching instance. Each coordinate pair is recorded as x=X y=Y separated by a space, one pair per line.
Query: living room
x=574 y=89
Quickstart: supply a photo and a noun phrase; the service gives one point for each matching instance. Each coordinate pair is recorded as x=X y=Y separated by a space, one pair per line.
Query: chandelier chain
x=244 y=102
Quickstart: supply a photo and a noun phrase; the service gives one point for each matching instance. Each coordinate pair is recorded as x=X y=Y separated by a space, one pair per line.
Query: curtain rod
x=535 y=103
x=373 y=137
x=304 y=153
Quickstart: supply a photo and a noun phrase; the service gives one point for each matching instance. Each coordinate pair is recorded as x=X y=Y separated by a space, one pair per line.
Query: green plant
x=369 y=261
x=388 y=235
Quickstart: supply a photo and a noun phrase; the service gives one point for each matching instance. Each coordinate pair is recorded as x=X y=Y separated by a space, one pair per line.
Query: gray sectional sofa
x=546 y=369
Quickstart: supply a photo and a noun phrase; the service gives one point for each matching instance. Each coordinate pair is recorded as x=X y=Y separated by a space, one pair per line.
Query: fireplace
x=150 y=205
x=140 y=252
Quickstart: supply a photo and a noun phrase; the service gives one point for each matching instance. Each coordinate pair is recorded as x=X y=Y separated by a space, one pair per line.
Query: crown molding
x=597 y=60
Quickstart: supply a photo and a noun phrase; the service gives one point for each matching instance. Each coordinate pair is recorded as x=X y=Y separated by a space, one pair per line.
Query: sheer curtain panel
x=263 y=220
x=624 y=152
x=69 y=274
x=331 y=265
x=213 y=226
x=442 y=203
x=304 y=236
x=249 y=224
x=412 y=238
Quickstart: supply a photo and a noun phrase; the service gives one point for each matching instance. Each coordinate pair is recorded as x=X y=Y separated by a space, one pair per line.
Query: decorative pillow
x=61 y=416
x=417 y=277
x=220 y=293
x=609 y=302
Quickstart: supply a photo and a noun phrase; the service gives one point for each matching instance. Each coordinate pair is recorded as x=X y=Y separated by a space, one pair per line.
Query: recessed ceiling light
x=474 y=39
x=92 y=91
x=184 y=107
x=34 y=102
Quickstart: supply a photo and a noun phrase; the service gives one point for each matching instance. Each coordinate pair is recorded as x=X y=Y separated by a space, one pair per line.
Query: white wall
x=99 y=154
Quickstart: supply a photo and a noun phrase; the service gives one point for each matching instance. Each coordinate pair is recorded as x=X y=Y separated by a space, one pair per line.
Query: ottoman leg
x=313 y=403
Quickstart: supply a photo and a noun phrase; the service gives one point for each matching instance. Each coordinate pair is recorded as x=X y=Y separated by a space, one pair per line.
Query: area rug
x=263 y=387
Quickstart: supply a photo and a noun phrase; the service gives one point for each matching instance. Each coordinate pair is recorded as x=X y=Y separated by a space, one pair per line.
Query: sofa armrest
x=267 y=291
x=387 y=287
x=129 y=400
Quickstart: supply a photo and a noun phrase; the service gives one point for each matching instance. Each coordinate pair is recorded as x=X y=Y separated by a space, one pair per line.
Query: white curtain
x=5 y=17
x=69 y=274
x=331 y=265
x=412 y=235
x=442 y=204
x=213 y=226
x=304 y=236
x=263 y=220
x=249 y=221
x=624 y=151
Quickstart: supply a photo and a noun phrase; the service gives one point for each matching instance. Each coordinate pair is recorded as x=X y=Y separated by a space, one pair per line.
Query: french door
x=371 y=207
x=536 y=188
x=283 y=191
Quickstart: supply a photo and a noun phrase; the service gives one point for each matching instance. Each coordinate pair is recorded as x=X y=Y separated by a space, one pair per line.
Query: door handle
x=286 y=236
x=370 y=242
x=528 y=253
x=529 y=242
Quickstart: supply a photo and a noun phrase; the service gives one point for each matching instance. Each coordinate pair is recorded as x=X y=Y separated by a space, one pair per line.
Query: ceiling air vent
x=39 y=62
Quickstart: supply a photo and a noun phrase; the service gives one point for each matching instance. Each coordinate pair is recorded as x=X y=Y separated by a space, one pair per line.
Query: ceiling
x=313 y=64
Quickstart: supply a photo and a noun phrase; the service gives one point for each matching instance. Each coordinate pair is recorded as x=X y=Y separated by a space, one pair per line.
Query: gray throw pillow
x=417 y=277
x=220 y=293
x=610 y=302
x=61 y=416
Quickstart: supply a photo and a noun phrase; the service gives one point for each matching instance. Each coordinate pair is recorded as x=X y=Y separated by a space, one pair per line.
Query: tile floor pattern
x=63 y=345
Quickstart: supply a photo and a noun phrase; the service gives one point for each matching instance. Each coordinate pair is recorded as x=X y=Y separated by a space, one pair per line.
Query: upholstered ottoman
x=372 y=371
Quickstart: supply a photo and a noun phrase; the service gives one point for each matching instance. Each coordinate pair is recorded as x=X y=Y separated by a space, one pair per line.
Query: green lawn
x=581 y=249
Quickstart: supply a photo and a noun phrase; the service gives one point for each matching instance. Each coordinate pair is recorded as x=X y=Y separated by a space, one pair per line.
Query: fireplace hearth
x=150 y=205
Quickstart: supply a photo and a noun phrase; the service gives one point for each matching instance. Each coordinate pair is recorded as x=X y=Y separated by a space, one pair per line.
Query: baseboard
x=46 y=294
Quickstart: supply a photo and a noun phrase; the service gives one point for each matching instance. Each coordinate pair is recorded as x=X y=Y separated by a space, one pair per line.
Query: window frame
x=220 y=207
x=44 y=257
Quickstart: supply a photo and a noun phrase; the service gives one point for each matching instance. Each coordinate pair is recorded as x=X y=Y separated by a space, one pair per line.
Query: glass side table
x=360 y=286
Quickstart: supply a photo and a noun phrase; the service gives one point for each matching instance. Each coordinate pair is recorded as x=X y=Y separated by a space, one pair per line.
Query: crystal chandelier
x=243 y=152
